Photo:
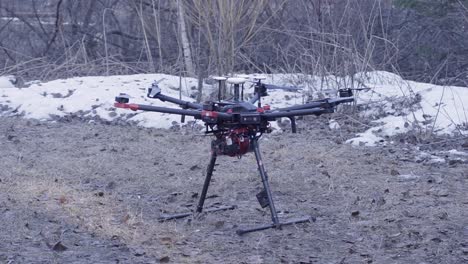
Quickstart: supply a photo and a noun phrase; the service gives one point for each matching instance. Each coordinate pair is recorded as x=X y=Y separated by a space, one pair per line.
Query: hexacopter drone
x=237 y=126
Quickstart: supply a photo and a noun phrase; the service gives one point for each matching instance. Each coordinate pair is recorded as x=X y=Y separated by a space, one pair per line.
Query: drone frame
x=222 y=116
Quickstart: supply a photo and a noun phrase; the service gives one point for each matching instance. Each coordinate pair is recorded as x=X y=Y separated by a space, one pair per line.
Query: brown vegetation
x=424 y=40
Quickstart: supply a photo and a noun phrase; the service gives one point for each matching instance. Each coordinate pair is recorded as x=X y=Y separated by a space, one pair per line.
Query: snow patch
x=408 y=105
x=367 y=138
x=397 y=105
x=332 y=124
x=7 y=81
x=94 y=96
x=456 y=152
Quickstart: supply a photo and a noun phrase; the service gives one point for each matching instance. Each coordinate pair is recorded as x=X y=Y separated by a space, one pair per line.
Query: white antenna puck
x=235 y=80
x=219 y=78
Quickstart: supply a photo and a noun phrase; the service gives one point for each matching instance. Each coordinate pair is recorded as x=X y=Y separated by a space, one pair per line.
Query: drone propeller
x=285 y=88
x=258 y=80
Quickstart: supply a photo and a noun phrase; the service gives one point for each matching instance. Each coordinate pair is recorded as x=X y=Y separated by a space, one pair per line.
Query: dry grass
x=100 y=196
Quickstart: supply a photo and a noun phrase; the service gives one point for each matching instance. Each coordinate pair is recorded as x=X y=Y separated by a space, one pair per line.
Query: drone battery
x=250 y=119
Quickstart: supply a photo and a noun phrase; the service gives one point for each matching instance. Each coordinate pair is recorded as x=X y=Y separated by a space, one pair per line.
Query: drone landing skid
x=183 y=215
x=264 y=197
x=273 y=225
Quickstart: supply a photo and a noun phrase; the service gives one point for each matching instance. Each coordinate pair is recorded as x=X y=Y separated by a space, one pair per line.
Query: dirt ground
x=73 y=192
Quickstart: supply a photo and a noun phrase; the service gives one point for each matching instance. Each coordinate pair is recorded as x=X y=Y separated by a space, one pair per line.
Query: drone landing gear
x=264 y=197
x=199 y=210
x=183 y=215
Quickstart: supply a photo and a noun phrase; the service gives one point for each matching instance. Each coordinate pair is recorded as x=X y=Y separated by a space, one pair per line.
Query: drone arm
x=325 y=103
x=182 y=103
x=196 y=114
x=155 y=92
x=254 y=99
x=303 y=106
x=300 y=112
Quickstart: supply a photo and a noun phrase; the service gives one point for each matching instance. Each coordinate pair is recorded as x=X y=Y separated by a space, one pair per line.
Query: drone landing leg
x=209 y=173
x=206 y=184
x=266 y=185
x=269 y=202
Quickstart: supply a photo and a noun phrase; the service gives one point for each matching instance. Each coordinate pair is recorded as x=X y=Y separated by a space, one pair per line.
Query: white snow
x=457 y=152
x=7 y=81
x=95 y=97
x=396 y=105
x=442 y=109
x=429 y=158
x=408 y=177
x=333 y=124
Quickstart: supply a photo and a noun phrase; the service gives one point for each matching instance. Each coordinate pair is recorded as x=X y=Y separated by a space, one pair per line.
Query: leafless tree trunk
x=187 y=53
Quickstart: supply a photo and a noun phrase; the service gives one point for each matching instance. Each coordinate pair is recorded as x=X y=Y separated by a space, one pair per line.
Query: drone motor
x=345 y=92
x=122 y=98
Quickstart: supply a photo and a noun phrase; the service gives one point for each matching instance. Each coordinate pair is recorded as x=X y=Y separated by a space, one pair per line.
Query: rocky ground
x=74 y=192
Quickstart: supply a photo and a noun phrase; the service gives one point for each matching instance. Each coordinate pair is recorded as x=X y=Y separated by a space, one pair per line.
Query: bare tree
x=187 y=53
x=60 y=38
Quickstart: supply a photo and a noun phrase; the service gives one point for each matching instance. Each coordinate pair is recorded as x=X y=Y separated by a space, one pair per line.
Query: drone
x=237 y=125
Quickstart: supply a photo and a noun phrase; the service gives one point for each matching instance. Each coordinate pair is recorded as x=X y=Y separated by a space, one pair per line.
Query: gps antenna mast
x=237 y=82
x=260 y=88
x=221 y=83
